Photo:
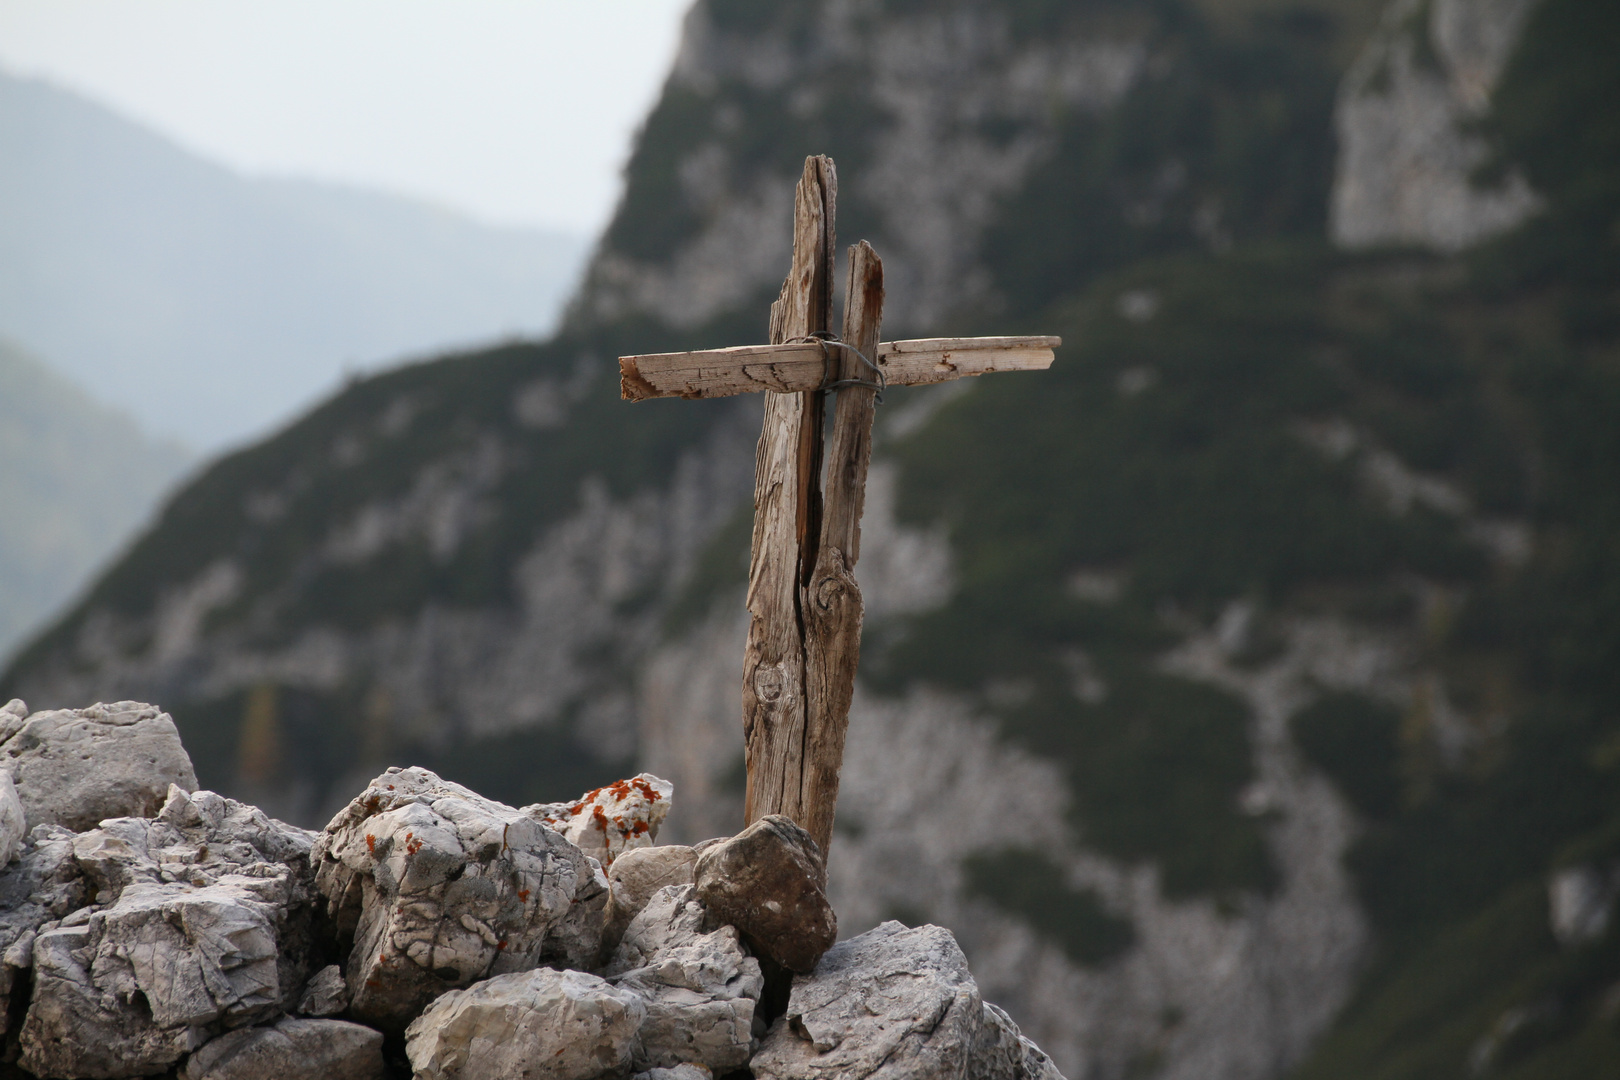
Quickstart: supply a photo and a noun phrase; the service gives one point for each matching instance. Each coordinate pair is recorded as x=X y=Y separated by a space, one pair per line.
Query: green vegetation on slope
x=1170 y=453
x=1356 y=742
x=1027 y=883
x=1472 y=984
x=1167 y=452
x=1490 y=995
x=1225 y=139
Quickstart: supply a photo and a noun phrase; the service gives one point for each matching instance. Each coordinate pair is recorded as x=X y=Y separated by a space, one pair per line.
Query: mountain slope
x=1239 y=691
x=212 y=305
x=76 y=478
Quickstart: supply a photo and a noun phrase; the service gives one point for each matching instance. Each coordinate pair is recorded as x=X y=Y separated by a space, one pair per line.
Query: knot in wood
x=831 y=590
x=770 y=682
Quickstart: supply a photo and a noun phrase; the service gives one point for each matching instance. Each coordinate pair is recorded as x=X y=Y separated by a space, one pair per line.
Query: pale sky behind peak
x=516 y=112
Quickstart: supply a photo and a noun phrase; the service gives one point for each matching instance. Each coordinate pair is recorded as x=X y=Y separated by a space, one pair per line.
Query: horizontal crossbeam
x=801 y=366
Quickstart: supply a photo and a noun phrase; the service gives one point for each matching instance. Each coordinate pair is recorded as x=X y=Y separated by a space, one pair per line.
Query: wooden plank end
x=632 y=387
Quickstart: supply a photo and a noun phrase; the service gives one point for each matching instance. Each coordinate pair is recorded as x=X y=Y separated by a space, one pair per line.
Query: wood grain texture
x=744 y=369
x=801 y=367
x=831 y=602
x=935 y=360
x=785 y=487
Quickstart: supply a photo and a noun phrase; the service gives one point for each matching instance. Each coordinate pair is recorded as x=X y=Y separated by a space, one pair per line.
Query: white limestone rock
x=635 y=877
x=891 y=1004
x=203 y=918
x=13 y=820
x=620 y=817
x=43 y=886
x=196 y=838
x=199 y=840
x=1002 y=1052
x=76 y=767
x=679 y=1072
x=441 y=887
x=132 y=989
x=12 y=715
x=699 y=984
x=76 y=1028
x=535 y=1025
x=196 y=954
x=291 y=1049
x=326 y=994
x=575 y=940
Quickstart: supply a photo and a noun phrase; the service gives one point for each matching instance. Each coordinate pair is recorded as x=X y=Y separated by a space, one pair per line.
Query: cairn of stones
x=148 y=928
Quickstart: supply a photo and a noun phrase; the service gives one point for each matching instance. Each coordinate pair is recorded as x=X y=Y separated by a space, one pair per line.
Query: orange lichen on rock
x=610 y=819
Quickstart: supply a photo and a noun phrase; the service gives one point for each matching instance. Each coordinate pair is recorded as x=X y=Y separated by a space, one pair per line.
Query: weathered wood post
x=804 y=632
x=787 y=507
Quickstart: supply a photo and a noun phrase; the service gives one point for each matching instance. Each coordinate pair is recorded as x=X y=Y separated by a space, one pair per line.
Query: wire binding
x=825 y=338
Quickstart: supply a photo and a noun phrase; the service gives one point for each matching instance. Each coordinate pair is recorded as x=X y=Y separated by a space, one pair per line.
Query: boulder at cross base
x=768 y=881
x=203 y=919
x=75 y=767
x=441 y=887
x=623 y=816
x=290 y=1049
x=893 y=1004
x=634 y=878
x=699 y=984
x=535 y=1025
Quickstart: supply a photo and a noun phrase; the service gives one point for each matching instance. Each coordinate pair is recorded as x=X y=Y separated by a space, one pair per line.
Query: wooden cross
x=804 y=636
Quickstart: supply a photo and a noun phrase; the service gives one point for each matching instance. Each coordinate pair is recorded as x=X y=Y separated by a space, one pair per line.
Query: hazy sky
x=515 y=111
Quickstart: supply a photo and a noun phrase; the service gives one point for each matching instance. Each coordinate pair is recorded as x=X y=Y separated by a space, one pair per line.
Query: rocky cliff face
x=966 y=106
x=1407 y=161
x=1184 y=662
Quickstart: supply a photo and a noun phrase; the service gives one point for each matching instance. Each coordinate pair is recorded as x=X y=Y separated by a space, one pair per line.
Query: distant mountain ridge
x=76 y=478
x=212 y=305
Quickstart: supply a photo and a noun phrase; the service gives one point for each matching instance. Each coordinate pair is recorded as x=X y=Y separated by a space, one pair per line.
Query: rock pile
x=439 y=887
x=151 y=929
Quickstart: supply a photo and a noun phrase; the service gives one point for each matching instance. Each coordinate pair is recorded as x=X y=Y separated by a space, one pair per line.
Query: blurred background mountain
x=210 y=305
x=76 y=478
x=1244 y=692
